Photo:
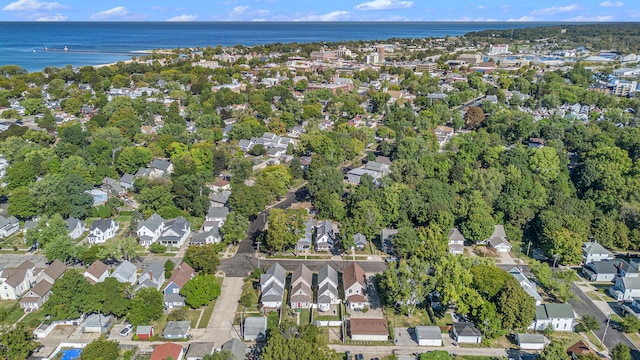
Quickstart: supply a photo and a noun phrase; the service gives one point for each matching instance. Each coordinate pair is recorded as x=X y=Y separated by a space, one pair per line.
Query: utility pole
x=605 y=329
x=528 y=247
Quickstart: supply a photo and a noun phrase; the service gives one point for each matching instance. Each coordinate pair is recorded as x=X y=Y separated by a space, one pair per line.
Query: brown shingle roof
x=26 y=265
x=15 y=276
x=56 y=269
x=580 y=348
x=162 y=352
x=97 y=269
x=41 y=288
x=182 y=274
x=353 y=274
x=369 y=327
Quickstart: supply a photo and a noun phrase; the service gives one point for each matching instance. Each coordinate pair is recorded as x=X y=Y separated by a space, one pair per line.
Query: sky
x=320 y=10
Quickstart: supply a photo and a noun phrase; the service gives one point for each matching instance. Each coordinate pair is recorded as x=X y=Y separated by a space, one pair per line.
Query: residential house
x=386 y=236
x=97 y=323
x=75 y=227
x=98 y=196
x=160 y=168
x=219 y=199
x=360 y=241
x=626 y=269
x=579 y=349
x=175 y=232
x=38 y=295
x=428 y=335
x=180 y=276
x=531 y=341
x=527 y=285
x=152 y=276
x=126 y=272
x=8 y=226
x=102 y=230
x=255 y=328
x=16 y=281
x=199 y=350
x=219 y=185
x=301 y=296
x=443 y=134
x=355 y=175
x=466 y=333
x=112 y=187
x=354 y=279
x=304 y=243
x=127 y=181
x=625 y=289
x=52 y=272
x=327 y=288
x=167 y=351
x=272 y=286
x=560 y=316
x=592 y=251
x=177 y=329
x=149 y=230
x=216 y=215
x=600 y=271
x=368 y=329
x=456 y=241
x=96 y=272
x=211 y=236
x=236 y=347
x=498 y=240
x=144 y=332
x=325 y=236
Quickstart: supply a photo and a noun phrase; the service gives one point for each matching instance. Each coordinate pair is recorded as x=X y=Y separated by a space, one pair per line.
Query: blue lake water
x=92 y=43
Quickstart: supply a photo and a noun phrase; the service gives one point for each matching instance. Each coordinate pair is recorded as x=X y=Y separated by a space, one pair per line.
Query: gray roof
x=499 y=241
x=603 y=267
x=144 y=172
x=152 y=222
x=324 y=227
x=173 y=298
x=124 y=271
x=71 y=222
x=199 y=349
x=328 y=272
x=554 y=311
x=178 y=225
x=498 y=231
x=254 y=326
x=359 y=238
x=177 y=328
x=160 y=164
x=236 y=347
x=466 y=329
x=631 y=282
x=200 y=237
x=218 y=212
x=156 y=267
x=127 y=179
x=95 y=320
x=594 y=248
x=428 y=332
x=530 y=338
x=6 y=221
x=113 y=183
x=386 y=234
x=29 y=224
x=272 y=293
x=101 y=224
x=455 y=235
x=143 y=329
x=277 y=271
x=221 y=197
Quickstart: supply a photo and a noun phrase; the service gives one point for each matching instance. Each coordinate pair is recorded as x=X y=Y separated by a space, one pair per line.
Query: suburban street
x=583 y=305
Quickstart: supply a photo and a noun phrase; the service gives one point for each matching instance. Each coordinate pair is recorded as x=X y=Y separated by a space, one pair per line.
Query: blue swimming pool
x=71 y=354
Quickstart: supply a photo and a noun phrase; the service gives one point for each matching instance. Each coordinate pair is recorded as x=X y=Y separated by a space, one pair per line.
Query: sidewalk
x=220 y=327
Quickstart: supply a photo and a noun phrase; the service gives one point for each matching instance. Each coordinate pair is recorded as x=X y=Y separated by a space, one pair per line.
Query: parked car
x=126 y=330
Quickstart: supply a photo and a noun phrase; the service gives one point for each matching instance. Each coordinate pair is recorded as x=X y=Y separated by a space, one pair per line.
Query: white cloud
x=555 y=10
x=384 y=5
x=183 y=17
x=332 y=16
x=32 y=5
x=590 y=18
x=119 y=11
x=611 y=4
x=238 y=10
x=524 y=18
x=56 y=17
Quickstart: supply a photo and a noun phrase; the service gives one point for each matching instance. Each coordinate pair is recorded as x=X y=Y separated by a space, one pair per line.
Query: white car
x=126 y=331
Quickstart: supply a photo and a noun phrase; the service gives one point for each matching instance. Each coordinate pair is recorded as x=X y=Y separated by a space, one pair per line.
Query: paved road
x=241 y=265
x=379 y=351
x=220 y=327
x=583 y=305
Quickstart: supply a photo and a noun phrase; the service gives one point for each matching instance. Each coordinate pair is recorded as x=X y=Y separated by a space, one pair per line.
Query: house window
x=565 y=325
x=350 y=291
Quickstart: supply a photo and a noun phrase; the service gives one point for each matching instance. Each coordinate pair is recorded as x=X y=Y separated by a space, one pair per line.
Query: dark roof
x=199 y=349
x=353 y=274
x=182 y=274
x=236 y=347
x=466 y=329
x=361 y=326
x=580 y=348
x=160 y=164
x=602 y=267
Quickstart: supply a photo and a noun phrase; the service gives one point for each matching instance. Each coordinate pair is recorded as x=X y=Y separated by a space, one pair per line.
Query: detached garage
x=369 y=329
x=465 y=332
x=428 y=336
x=530 y=341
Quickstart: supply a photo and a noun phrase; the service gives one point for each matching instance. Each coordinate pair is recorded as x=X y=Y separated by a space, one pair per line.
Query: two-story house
x=160 y=168
x=456 y=241
x=272 y=287
x=96 y=272
x=152 y=276
x=8 y=226
x=592 y=251
x=126 y=272
x=327 y=288
x=102 y=230
x=325 y=236
x=175 y=233
x=560 y=316
x=527 y=285
x=301 y=296
x=305 y=241
x=149 y=230
x=180 y=276
x=52 y=272
x=625 y=288
x=16 y=281
x=75 y=227
x=354 y=281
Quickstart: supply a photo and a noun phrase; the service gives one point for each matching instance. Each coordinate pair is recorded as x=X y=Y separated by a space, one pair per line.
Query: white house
x=160 y=168
x=102 y=230
x=149 y=230
x=272 y=286
x=498 y=240
x=176 y=231
x=353 y=279
x=600 y=271
x=327 y=288
x=96 y=272
x=8 y=226
x=325 y=237
x=592 y=251
x=456 y=241
x=560 y=316
x=16 y=281
x=75 y=227
x=466 y=333
x=368 y=329
x=625 y=288
x=527 y=285
x=428 y=336
x=301 y=296
x=126 y=272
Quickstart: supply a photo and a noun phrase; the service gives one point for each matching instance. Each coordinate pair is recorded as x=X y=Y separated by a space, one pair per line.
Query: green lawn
x=272 y=319
x=444 y=321
x=206 y=316
x=32 y=320
x=305 y=316
x=10 y=312
x=594 y=340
